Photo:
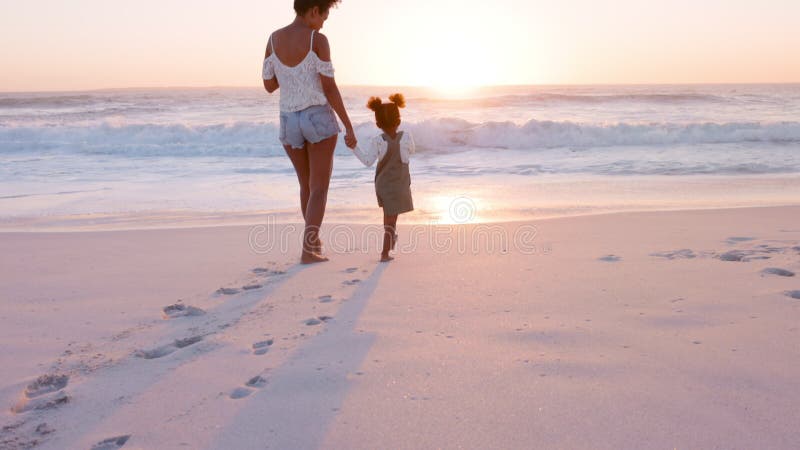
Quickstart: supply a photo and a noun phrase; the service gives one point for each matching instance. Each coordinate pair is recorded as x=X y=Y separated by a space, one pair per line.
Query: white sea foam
x=537 y=134
x=434 y=136
x=218 y=148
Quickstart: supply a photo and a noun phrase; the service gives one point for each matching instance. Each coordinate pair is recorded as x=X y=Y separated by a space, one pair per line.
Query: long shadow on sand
x=304 y=394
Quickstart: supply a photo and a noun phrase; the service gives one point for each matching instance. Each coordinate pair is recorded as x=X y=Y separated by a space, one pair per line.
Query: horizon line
x=255 y=86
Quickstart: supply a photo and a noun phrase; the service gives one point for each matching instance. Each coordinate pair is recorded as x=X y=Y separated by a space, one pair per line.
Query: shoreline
x=188 y=220
x=486 y=200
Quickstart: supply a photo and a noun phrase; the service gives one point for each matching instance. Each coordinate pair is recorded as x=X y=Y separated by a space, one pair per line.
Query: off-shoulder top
x=300 y=85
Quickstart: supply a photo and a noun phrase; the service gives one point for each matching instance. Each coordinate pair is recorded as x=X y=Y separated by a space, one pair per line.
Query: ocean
x=172 y=156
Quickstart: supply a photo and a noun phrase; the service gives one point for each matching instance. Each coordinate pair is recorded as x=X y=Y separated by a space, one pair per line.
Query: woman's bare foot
x=316 y=247
x=312 y=258
x=386 y=258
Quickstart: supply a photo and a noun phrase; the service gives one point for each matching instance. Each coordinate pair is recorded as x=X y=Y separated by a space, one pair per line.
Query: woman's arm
x=270 y=80
x=323 y=50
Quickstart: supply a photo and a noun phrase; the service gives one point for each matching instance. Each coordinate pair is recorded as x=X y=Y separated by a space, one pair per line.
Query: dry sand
x=636 y=330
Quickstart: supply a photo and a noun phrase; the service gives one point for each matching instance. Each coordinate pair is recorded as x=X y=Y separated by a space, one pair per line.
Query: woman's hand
x=271 y=85
x=350 y=138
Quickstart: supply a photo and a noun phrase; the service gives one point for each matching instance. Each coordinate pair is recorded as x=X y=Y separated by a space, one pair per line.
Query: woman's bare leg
x=300 y=161
x=299 y=158
x=320 y=159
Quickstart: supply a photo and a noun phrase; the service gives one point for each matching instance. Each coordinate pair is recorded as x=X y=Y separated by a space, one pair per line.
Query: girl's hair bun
x=398 y=100
x=374 y=103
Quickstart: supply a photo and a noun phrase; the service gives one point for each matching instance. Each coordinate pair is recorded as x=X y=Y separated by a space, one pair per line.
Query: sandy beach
x=654 y=330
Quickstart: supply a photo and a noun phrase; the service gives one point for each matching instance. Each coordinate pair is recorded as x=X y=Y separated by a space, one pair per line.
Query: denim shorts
x=313 y=124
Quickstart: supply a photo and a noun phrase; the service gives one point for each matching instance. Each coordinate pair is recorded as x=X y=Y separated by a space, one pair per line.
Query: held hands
x=350 y=138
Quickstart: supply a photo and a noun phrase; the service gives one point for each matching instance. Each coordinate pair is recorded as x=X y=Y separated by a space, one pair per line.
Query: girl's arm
x=331 y=90
x=407 y=147
x=371 y=153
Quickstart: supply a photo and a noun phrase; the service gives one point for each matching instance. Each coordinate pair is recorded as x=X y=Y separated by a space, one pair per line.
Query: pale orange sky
x=90 y=44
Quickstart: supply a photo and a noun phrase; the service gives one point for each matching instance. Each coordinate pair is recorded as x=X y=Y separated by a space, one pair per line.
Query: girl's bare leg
x=389 y=236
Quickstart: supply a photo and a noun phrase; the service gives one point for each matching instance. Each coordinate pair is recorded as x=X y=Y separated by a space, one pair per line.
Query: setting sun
x=453 y=70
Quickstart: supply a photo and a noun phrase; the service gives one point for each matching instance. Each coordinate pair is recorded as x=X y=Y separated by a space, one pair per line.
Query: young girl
x=392 y=179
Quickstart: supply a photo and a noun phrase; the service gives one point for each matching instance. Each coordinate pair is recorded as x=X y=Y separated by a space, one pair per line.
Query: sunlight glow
x=454 y=209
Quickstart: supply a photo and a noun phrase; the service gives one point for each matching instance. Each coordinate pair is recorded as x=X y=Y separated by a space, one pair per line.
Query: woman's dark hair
x=387 y=115
x=303 y=6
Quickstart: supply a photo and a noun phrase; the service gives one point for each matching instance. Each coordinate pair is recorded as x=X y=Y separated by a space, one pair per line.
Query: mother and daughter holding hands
x=298 y=61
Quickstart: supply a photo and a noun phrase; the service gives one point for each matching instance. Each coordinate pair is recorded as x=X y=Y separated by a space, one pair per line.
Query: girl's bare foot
x=312 y=258
x=386 y=258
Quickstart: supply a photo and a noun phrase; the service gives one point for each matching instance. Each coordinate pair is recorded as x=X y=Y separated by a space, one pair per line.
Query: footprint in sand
x=738 y=239
x=111 y=443
x=610 y=258
x=227 y=291
x=260 y=348
x=46 y=384
x=45 y=392
x=43 y=429
x=684 y=253
x=769 y=249
x=318 y=320
x=325 y=298
x=352 y=282
x=350 y=270
x=257 y=382
x=251 y=287
x=733 y=255
x=793 y=294
x=180 y=310
x=240 y=392
x=740 y=256
x=267 y=272
x=777 y=271
x=41 y=403
x=181 y=343
x=164 y=350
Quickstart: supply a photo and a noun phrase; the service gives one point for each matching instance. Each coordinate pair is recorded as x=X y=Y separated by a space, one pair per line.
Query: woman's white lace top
x=376 y=148
x=300 y=85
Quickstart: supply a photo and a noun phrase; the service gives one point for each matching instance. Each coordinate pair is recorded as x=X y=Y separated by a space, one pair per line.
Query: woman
x=298 y=61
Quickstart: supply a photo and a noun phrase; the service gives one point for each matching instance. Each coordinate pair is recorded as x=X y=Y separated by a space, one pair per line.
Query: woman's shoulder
x=281 y=30
x=273 y=36
x=321 y=47
x=320 y=38
x=276 y=34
